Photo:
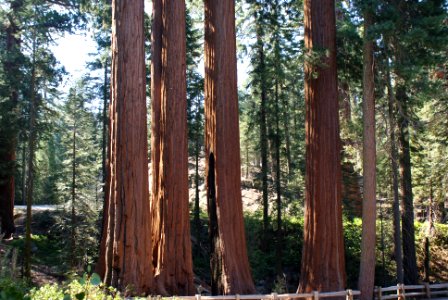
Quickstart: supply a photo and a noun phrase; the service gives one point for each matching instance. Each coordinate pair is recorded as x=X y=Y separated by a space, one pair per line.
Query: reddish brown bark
x=229 y=262
x=367 y=269
x=323 y=265
x=127 y=251
x=171 y=247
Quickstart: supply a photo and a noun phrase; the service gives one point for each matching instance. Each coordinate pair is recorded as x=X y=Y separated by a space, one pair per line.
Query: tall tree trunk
x=323 y=262
x=105 y=120
x=30 y=163
x=229 y=261
x=127 y=254
x=73 y=229
x=394 y=166
x=8 y=126
x=169 y=205
x=263 y=126
x=197 y=210
x=407 y=202
x=368 y=242
x=100 y=266
x=278 y=185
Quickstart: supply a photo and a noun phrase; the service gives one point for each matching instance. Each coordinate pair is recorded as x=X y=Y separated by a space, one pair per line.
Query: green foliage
x=89 y=287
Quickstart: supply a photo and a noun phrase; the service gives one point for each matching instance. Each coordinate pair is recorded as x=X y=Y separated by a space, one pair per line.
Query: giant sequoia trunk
x=127 y=248
x=171 y=249
x=229 y=262
x=367 y=269
x=323 y=264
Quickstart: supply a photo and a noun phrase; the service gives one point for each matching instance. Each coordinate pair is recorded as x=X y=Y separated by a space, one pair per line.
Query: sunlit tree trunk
x=323 y=263
x=368 y=242
x=173 y=273
x=229 y=262
x=127 y=253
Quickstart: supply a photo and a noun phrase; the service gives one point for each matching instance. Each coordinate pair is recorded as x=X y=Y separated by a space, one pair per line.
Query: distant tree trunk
x=263 y=136
x=172 y=258
x=31 y=148
x=407 y=202
x=24 y=170
x=229 y=261
x=197 y=210
x=394 y=166
x=127 y=253
x=278 y=182
x=323 y=262
x=368 y=243
x=105 y=120
x=8 y=126
x=73 y=221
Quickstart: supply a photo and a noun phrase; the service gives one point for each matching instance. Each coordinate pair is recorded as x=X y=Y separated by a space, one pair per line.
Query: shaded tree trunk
x=73 y=229
x=394 y=166
x=407 y=202
x=8 y=126
x=127 y=251
x=323 y=262
x=30 y=163
x=368 y=242
x=229 y=261
x=263 y=131
x=171 y=250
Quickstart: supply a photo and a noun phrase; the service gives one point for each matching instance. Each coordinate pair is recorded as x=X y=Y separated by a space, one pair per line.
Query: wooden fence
x=348 y=294
x=422 y=291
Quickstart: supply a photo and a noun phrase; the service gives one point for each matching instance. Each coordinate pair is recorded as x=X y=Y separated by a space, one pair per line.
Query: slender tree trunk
x=323 y=262
x=278 y=185
x=407 y=202
x=73 y=236
x=105 y=121
x=127 y=254
x=368 y=243
x=263 y=129
x=24 y=170
x=286 y=113
x=31 y=148
x=394 y=166
x=8 y=126
x=100 y=266
x=197 y=210
x=229 y=261
x=169 y=206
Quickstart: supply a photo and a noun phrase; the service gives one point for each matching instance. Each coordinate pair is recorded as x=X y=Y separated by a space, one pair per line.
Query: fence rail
x=348 y=294
x=401 y=291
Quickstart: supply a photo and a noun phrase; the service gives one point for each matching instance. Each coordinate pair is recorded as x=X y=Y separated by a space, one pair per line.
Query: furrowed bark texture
x=323 y=264
x=229 y=261
x=172 y=260
x=368 y=242
x=127 y=255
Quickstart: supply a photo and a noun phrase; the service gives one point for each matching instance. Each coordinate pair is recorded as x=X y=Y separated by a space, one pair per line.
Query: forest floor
x=50 y=262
